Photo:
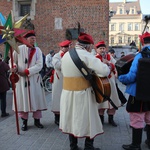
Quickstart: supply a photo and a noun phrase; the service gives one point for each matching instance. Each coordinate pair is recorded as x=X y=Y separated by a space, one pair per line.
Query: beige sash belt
x=75 y=83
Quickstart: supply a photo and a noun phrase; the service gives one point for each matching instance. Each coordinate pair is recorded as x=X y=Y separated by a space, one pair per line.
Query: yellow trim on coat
x=75 y=83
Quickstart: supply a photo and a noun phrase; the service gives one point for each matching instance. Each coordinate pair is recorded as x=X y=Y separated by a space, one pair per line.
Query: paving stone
x=51 y=138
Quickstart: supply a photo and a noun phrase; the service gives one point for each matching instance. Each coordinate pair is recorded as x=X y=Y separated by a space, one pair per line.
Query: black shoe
x=114 y=124
x=57 y=122
x=57 y=116
x=111 y=120
x=38 y=124
x=24 y=125
x=131 y=147
x=89 y=144
x=5 y=115
x=77 y=148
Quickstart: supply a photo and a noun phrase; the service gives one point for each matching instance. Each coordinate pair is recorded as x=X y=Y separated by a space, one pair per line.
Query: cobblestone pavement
x=51 y=138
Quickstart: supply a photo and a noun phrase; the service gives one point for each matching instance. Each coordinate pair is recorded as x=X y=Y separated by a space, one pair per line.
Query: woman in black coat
x=4 y=86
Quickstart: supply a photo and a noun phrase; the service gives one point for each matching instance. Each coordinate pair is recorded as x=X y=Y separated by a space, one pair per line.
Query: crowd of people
x=74 y=104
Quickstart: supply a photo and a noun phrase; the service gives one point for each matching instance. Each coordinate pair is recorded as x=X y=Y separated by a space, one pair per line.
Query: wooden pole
x=14 y=92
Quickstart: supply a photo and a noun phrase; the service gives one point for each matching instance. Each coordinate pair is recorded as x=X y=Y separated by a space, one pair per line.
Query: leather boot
x=111 y=120
x=24 y=125
x=57 y=116
x=4 y=114
x=102 y=119
x=89 y=144
x=136 y=140
x=38 y=124
x=148 y=136
x=73 y=143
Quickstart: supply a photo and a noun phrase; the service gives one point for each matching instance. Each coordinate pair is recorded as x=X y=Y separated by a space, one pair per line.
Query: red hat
x=85 y=38
x=29 y=33
x=100 y=44
x=144 y=37
x=65 y=43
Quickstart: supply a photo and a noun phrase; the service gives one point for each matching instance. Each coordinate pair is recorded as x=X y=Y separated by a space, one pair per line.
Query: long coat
x=114 y=94
x=4 y=83
x=78 y=108
x=57 y=83
x=29 y=91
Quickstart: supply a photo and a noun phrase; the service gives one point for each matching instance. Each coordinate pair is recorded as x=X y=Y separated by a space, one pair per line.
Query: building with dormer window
x=126 y=24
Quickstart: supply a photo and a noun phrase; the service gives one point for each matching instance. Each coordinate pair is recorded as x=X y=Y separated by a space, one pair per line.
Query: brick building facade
x=51 y=19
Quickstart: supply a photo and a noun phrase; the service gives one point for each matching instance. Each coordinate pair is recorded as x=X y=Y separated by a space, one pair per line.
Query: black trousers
x=3 y=102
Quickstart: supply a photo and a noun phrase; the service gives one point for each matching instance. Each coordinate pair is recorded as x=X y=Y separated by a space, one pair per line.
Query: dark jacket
x=4 y=83
x=134 y=105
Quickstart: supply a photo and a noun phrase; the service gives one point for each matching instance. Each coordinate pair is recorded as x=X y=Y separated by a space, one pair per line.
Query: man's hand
x=13 y=69
x=106 y=61
x=22 y=74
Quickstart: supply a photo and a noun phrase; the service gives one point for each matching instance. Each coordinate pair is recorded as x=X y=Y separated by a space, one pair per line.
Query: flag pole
x=14 y=91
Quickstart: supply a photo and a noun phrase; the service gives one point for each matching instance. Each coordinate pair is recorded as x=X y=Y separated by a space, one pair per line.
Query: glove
x=62 y=54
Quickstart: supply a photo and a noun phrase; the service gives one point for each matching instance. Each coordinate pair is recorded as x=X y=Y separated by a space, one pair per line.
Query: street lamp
x=111 y=13
x=146 y=19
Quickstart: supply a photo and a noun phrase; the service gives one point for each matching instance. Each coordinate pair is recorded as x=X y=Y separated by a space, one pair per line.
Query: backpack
x=143 y=76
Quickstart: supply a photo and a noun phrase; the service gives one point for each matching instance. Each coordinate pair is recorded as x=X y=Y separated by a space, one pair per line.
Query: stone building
x=56 y=20
x=126 y=24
